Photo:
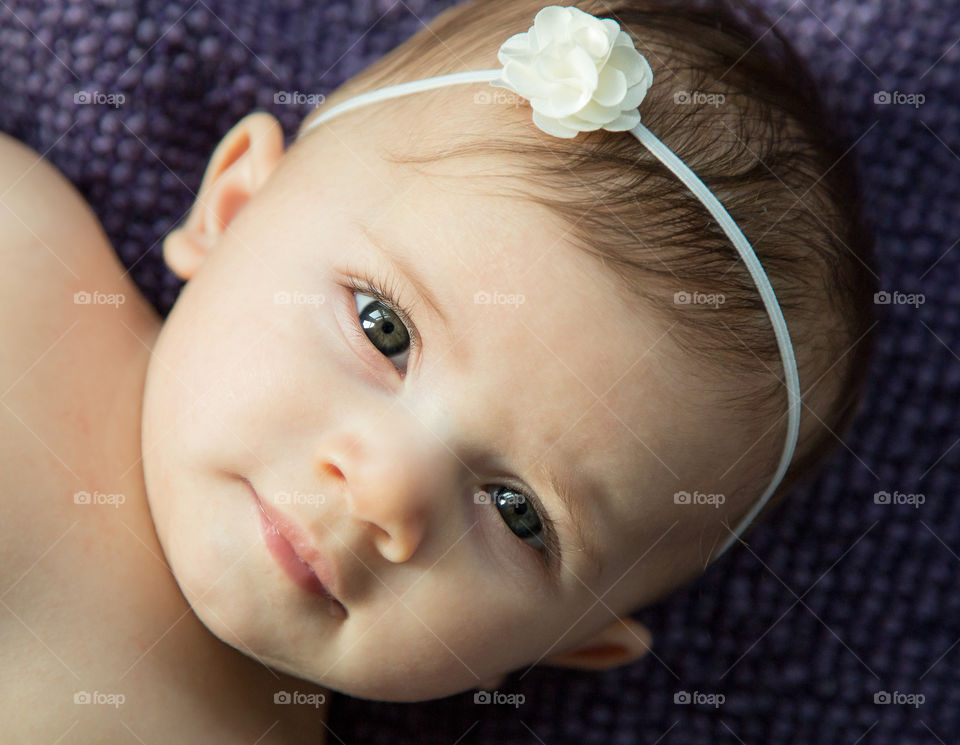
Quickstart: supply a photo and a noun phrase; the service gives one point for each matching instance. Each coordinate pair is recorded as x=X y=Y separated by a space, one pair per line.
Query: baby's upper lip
x=321 y=564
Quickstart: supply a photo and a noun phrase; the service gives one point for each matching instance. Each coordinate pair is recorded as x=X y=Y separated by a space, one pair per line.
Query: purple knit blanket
x=839 y=600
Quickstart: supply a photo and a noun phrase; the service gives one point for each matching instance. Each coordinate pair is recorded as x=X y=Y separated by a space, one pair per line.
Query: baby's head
x=487 y=458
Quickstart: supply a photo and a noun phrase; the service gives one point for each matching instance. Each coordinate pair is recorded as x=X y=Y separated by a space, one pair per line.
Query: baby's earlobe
x=622 y=642
x=184 y=251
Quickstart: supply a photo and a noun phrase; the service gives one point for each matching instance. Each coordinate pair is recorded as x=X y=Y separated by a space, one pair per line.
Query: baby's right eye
x=383 y=324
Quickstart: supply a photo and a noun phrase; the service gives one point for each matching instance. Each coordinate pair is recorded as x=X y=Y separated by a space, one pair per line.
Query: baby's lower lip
x=293 y=566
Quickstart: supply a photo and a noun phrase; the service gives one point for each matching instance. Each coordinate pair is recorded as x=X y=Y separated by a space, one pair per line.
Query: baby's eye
x=383 y=327
x=519 y=514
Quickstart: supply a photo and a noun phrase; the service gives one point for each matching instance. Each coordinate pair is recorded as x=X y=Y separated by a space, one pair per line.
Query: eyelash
x=385 y=289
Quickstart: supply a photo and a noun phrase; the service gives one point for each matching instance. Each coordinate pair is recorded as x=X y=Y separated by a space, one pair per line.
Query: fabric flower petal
x=633 y=97
x=626 y=120
x=515 y=46
x=580 y=124
x=549 y=22
x=611 y=87
x=558 y=101
x=629 y=61
x=523 y=78
x=594 y=40
x=579 y=72
x=570 y=83
x=595 y=113
x=577 y=64
x=552 y=126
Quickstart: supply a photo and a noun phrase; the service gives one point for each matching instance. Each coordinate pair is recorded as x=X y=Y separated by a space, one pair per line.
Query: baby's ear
x=241 y=164
x=620 y=643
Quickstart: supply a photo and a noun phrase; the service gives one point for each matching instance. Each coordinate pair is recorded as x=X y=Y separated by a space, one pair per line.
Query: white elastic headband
x=582 y=73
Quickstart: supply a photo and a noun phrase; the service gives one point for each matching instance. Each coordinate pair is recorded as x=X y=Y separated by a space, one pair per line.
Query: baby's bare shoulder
x=48 y=232
x=39 y=204
x=52 y=247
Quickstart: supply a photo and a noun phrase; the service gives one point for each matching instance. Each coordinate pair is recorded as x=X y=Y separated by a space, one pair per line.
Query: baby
x=443 y=397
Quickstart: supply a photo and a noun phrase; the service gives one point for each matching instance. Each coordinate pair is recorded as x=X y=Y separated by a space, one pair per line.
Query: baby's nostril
x=329 y=470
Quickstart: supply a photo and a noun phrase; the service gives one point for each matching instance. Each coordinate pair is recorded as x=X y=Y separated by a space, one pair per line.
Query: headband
x=582 y=73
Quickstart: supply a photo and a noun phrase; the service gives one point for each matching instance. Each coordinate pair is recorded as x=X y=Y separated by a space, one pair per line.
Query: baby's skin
x=97 y=642
x=261 y=388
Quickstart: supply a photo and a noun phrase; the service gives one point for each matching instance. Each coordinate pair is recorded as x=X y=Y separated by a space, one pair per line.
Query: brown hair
x=769 y=153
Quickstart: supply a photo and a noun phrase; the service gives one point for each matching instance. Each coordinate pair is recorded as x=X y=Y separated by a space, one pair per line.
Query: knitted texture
x=837 y=597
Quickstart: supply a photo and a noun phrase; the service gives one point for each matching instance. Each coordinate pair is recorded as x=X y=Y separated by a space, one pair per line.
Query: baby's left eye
x=383 y=327
x=519 y=514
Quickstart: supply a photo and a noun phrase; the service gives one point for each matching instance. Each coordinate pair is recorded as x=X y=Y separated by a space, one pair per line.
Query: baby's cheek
x=479 y=637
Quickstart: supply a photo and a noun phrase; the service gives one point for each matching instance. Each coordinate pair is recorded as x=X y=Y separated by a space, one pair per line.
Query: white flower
x=579 y=72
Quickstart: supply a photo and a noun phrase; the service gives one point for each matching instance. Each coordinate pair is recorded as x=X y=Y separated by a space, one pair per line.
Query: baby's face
x=525 y=369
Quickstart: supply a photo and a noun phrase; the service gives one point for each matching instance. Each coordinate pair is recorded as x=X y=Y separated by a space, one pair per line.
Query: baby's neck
x=114 y=621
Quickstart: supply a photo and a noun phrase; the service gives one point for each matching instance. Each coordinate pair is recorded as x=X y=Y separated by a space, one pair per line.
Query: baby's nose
x=398 y=484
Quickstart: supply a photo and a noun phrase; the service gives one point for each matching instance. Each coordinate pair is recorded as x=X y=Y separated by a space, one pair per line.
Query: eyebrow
x=579 y=512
